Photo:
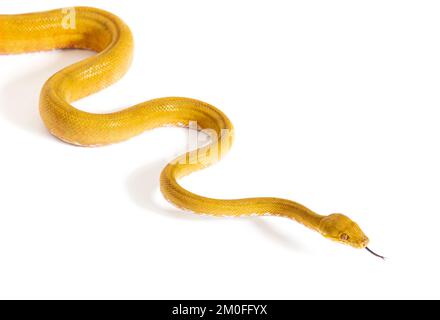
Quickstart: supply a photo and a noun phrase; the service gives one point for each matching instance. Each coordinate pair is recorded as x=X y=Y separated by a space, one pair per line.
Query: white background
x=335 y=104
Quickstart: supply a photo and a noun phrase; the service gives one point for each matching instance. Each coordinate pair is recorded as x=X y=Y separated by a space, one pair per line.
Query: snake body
x=111 y=38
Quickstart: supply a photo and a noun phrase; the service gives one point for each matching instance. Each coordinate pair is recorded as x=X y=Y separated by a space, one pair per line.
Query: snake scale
x=107 y=35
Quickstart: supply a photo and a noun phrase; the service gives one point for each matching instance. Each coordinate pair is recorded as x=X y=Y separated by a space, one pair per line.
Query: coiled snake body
x=109 y=36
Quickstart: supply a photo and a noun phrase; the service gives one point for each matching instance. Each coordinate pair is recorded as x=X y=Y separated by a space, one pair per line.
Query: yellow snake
x=106 y=34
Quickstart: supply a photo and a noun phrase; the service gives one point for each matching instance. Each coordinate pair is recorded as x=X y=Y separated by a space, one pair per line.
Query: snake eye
x=344 y=237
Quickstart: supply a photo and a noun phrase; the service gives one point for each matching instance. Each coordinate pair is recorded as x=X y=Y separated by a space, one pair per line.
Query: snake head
x=342 y=229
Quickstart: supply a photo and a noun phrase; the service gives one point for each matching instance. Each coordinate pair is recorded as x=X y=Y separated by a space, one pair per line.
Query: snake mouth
x=365 y=243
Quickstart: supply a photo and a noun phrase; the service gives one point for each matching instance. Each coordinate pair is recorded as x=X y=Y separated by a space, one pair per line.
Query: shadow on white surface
x=20 y=96
x=276 y=236
x=142 y=186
